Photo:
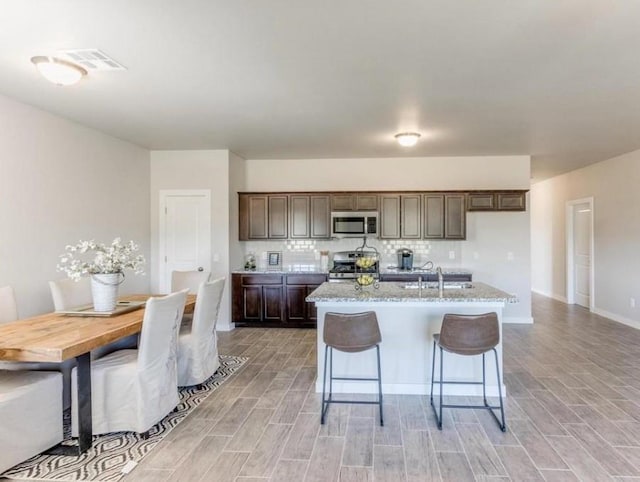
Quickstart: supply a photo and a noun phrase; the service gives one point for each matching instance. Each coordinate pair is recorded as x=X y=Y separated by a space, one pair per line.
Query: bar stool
x=351 y=333
x=468 y=335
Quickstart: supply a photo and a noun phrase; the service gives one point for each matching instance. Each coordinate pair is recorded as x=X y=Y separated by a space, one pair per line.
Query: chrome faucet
x=440 y=279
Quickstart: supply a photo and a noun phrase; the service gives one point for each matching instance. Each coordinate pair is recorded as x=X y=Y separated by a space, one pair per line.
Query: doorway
x=580 y=240
x=185 y=233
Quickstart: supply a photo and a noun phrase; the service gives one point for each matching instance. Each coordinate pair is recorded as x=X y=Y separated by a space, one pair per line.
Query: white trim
x=515 y=320
x=550 y=295
x=163 y=195
x=570 y=267
x=617 y=318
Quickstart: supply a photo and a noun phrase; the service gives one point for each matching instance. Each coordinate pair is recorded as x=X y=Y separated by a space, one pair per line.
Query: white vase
x=104 y=289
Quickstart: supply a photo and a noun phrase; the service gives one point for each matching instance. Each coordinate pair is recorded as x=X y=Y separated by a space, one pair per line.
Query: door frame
x=571 y=281
x=163 y=283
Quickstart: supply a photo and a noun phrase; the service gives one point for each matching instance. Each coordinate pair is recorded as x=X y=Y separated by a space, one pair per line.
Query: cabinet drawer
x=306 y=279
x=481 y=202
x=511 y=201
x=261 y=279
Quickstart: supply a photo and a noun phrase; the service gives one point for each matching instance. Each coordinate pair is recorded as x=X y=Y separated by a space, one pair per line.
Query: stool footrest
x=470 y=406
x=356 y=379
x=458 y=383
x=357 y=402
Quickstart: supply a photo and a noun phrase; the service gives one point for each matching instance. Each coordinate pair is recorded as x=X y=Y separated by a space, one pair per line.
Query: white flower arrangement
x=113 y=258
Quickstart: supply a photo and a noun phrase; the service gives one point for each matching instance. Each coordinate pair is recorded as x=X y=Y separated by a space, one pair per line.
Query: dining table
x=56 y=337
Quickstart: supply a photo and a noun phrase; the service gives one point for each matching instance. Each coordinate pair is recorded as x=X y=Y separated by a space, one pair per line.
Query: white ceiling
x=559 y=80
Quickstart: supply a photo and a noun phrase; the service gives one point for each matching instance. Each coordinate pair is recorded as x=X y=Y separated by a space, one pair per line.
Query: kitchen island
x=408 y=315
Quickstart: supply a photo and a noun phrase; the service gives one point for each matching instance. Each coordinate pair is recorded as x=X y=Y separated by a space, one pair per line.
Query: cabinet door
x=366 y=202
x=410 y=224
x=277 y=217
x=298 y=216
x=481 y=202
x=390 y=216
x=433 y=216
x=296 y=304
x=455 y=216
x=252 y=303
x=508 y=201
x=257 y=217
x=343 y=202
x=273 y=299
x=320 y=217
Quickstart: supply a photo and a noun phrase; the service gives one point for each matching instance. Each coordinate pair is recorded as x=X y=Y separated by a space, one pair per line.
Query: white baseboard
x=225 y=326
x=524 y=320
x=620 y=319
x=551 y=295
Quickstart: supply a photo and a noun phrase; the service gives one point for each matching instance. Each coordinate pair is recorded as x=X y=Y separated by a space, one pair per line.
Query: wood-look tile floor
x=573 y=413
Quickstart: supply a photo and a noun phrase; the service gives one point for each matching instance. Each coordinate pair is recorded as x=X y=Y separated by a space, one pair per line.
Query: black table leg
x=85 y=422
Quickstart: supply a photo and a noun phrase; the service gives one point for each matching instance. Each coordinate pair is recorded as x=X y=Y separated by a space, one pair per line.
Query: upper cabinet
x=496 y=201
x=309 y=216
x=403 y=215
x=263 y=216
x=354 y=202
x=444 y=216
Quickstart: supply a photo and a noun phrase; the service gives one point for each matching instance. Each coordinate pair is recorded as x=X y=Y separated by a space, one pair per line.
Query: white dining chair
x=9 y=312
x=188 y=280
x=8 y=308
x=67 y=294
x=31 y=415
x=198 y=343
x=132 y=390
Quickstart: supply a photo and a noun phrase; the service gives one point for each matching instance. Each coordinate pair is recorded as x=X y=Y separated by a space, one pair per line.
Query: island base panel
x=407 y=349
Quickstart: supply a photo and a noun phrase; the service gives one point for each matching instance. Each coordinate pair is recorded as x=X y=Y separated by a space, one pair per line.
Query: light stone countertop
x=302 y=269
x=423 y=271
x=396 y=292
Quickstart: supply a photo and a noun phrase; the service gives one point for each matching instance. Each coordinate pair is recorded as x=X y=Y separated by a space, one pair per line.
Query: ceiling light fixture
x=407 y=139
x=58 y=71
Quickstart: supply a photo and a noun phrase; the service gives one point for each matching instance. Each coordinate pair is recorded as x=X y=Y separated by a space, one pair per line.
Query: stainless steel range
x=344 y=265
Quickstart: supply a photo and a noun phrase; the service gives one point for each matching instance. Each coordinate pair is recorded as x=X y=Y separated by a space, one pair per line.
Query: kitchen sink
x=448 y=285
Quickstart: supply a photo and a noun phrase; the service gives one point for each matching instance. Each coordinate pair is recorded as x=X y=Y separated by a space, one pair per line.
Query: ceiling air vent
x=92 y=59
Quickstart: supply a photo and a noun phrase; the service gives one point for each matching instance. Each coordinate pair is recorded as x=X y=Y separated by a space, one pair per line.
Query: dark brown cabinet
x=497 y=201
x=354 y=202
x=444 y=216
x=389 y=216
x=263 y=216
x=258 y=299
x=274 y=300
x=455 y=219
x=402 y=215
x=299 y=312
x=309 y=216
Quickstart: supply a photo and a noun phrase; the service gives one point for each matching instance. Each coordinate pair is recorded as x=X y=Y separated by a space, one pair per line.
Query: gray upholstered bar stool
x=468 y=335
x=350 y=333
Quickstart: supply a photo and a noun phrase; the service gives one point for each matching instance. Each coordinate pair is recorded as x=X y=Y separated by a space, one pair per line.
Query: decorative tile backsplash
x=306 y=252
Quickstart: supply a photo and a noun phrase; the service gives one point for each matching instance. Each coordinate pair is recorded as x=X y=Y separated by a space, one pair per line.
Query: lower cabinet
x=274 y=300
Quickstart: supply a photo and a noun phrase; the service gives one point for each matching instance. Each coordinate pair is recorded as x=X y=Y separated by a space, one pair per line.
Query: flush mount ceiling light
x=58 y=71
x=407 y=139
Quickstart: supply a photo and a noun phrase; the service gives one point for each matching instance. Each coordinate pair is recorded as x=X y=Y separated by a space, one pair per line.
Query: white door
x=582 y=253
x=185 y=233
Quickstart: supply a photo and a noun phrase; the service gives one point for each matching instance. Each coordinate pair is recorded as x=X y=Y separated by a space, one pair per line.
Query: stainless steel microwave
x=347 y=224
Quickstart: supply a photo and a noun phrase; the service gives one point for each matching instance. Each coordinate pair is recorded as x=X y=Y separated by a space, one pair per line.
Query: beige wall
x=207 y=169
x=614 y=185
x=497 y=247
x=416 y=173
x=61 y=182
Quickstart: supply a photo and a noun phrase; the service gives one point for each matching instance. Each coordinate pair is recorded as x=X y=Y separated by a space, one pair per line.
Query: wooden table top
x=54 y=337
